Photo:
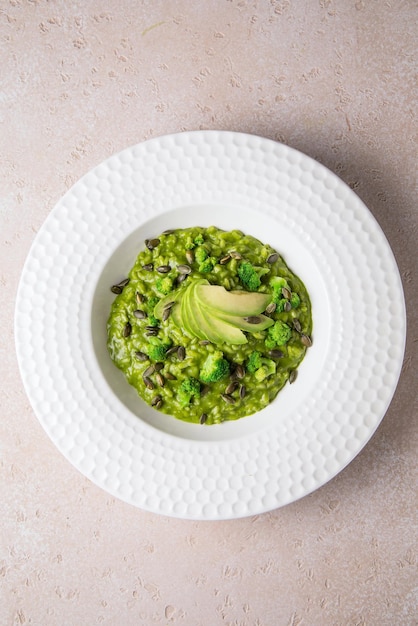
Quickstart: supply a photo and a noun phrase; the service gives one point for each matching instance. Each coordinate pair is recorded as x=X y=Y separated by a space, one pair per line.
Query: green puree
x=209 y=325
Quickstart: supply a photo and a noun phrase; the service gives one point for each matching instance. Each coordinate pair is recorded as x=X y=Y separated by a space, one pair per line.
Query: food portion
x=209 y=325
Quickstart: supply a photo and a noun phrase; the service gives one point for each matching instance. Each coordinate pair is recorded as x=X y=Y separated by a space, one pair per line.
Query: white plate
x=314 y=428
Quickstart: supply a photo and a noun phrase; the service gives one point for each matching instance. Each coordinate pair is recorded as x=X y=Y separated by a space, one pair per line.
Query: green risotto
x=209 y=325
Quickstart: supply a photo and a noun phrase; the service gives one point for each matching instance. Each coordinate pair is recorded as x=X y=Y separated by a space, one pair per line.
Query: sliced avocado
x=164 y=302
x=187 y=308
x=216 y=329
x=237 y=303
x=243 y=324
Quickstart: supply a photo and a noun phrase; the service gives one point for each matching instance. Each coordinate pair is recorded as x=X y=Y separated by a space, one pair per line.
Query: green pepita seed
x=160 y=379
x=140 y=314
x=152 y=243
x=307 y=341
x=141 y=356
x=184 y=269
x=148 y=382
x=242 y=392
x=253 y=319
x=296 y=325
x=272 y=258
x=227 y=398
x=127 y=329
x=287 y=306
x=181 y=353
x=225 y=259
x=239 y=371
x=286 y=293
x=163 y=269
x=156 y=400
x=140 y=298
x=116 y=289
x=149 y=371
x=233 y=386
x=271 y=308
x=172 y=350
x=292 y=376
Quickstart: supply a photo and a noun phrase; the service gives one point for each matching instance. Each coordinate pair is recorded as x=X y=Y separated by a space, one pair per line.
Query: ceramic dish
x=314 y=428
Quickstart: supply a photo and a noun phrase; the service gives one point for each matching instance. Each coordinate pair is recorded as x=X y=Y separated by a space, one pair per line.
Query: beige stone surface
x=80 y=80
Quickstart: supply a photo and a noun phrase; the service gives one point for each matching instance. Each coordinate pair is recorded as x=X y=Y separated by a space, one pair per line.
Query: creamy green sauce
x=156 y=355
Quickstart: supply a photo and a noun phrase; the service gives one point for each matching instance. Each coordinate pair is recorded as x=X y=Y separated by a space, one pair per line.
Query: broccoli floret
x=260 y=366
x=201 y=254
x=254 y=362
x=189 y=388
x=267 y=368
x=248 y=276
x=189 y=244
x=151 y=304
x=278 y=335
x=294 y=300
x=277 y=283
x=164 y=284
x=198 y=240
x=157 y=352
x=207 y=265
x=214 y=368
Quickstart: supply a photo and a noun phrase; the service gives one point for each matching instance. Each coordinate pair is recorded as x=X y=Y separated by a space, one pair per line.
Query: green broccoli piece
x=294 y=300
x=248 y=276
x=189 y=244
x=198 y=240
x=151 y=304
x=260 y=366
x=157 y=350
x=164 y=284
x=189 y=389
x=278 y=335
x=207 y=265
x=277 y=283
x=214 y=368
x=267 y=368
x=254 y=362
x=201 y=254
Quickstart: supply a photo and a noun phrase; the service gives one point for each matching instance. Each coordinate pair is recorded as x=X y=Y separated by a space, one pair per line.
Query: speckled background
x=80 y=80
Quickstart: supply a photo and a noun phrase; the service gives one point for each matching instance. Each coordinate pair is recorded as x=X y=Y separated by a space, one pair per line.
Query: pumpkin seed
x=203 y=418
x=286 y=293
x=152 y=243
x=156 y=400
x=271 y=308
x=227 y=398
x=163 y=269
x=170 y=376
x=127 y=329
x=166 y=313
x=140 y=298
x=180 y=278
x=140 y=314
x=184 y=269
x=242 y=392
x=170 y=231
x=148 y=382
x=287 y=306
x=181 y=353
x=253 y=319
x=116 y=289
x=148 y=267
x=292 y=376
x=158 y=366
x=296 y=325
x=151 y=332
x=141 y=356
x=225 y=259
x=189 y=256
x=149 y=371
x=160 y=379
x=307 y=341
x=276 y=354
x=272 y=258
x=239 y=371
x=235 y=255
x=233 y=386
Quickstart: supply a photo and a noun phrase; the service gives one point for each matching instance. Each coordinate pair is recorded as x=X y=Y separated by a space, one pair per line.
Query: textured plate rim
x=221 y=499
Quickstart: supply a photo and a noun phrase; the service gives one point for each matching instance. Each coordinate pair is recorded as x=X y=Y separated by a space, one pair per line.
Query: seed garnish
x=286 y=293
x=180 y=278
x=160 y=379
x=140 y=314
x=233 y=386
x=271 y=308
x=189 y=256
x=235 y=255
x=292 y=376
x=156 y=400
x=181 y=353
x=166 y=313
x=227 y=398
x=141 y=356
x=158 y=366
x=152 y=243
x=169 y=231
x=116 y=289
x=239 y=371
x=149 y=371
x=253 y=319
x=296 y=325
x=152 y=331
x=184 y=269
x=287 y=306
x=242 y=392
x=170 y=376
x=272 y=258
x=225 y=259
x=163 y=269
x=139 y=298
x=204 y=342
x=307 y=341
x=276 y=354
x=148 y=382
x=203 y=418
x=148 y=267
x=127 y=329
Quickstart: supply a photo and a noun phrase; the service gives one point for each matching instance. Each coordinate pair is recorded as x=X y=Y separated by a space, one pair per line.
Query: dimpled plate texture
x=314 y=428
